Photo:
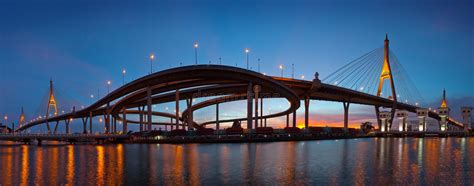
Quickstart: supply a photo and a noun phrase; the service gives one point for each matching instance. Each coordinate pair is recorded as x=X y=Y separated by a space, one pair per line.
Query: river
x=373 y=161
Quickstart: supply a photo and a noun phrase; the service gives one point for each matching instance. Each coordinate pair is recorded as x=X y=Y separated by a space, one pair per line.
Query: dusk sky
x=82 y=44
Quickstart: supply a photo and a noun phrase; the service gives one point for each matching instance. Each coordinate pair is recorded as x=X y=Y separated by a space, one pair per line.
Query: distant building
x=4 y=129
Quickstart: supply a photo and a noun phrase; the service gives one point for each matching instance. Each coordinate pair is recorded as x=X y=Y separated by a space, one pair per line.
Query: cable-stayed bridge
x=376 y=78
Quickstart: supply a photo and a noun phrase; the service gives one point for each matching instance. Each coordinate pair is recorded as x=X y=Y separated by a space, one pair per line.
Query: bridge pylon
x=466 y=117
x=402 y=116
x=422 y=114
x=386 y=74
x=21 y=121
x=385 y=116
x=51 y=104
x=443 y=114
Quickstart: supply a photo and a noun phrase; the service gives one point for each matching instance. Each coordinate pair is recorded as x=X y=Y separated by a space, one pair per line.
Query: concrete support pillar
x=90 y=122
x=190 y=113
x=217 y=116
x=466 y=118
x=294 y=118
x=256 y=90
x=107 y=119
x=140 y=115
x=261 y=111
x=346 y=114
x=265 y=122
x=385 y=117
x=114 y=119
x=176 y=109
x=249 y=106
x=124 y=121
x=149 y=116
x=377 y=113
x=392 y=115
x=84 y=121
x=306 y=112
x=171 y=124
x=106 y=128
x=443 y=123
x=422 y=115
x=47 y=124
x=55 y=127
x=67 y=125
x=402 y=118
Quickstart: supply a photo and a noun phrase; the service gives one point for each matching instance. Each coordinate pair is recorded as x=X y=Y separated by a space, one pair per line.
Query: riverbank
x=183 y=137
x=239 y=139
x=250 y=138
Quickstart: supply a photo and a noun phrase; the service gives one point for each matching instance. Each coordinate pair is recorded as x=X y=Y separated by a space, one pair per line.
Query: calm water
x=357 y=161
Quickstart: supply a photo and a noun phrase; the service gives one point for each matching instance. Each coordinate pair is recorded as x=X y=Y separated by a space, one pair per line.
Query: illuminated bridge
x=376 y=79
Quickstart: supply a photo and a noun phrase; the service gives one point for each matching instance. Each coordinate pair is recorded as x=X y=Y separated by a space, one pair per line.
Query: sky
x=83 y=44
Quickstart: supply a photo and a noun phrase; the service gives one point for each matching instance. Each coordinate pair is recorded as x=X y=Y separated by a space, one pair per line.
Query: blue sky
x=82 y=44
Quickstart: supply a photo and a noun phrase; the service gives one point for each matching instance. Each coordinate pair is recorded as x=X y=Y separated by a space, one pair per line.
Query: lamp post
x=220 y=61
x=247 y=54
x=196 y=45
x=292 y=71
x=281 y=69
x=123 y=76
x=108 y=86
x=152 y=57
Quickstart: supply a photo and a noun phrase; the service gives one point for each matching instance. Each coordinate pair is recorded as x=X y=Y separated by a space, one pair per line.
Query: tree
x=367 y=127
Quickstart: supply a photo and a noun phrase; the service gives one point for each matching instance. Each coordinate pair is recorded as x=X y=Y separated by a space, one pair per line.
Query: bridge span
x=230 y=83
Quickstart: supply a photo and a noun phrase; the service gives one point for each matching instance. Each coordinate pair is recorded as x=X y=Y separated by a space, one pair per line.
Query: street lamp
x=196 y=45
x=281 y=69
x=220 y=61
x=152 y=57
x=247 y=54
x=108 y=86
x=302 y=76
x=123 y=76
x=292 y=71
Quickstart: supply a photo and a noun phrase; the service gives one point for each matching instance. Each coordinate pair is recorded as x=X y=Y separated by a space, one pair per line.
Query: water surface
x=440 y=161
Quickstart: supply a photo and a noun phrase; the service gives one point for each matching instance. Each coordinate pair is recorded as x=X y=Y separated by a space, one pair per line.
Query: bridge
x=376 y=79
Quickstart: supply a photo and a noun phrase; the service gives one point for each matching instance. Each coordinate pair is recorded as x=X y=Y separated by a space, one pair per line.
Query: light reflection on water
x=432 y=161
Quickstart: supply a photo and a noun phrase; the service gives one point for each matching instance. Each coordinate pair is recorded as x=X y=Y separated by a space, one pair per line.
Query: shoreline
x=281 y=138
